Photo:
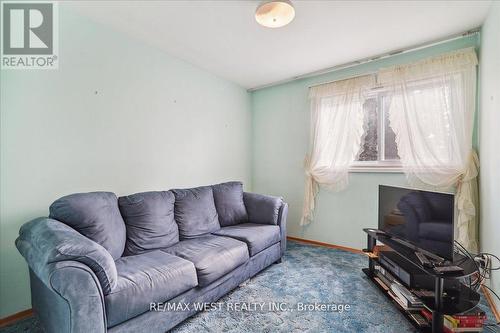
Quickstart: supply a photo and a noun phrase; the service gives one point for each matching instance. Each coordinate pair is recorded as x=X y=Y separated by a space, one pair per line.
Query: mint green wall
x=489 y=121
x=280 y=141
x=118 y=116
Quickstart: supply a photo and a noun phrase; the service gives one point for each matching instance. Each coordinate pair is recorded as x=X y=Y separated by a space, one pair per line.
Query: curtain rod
x=346 y=78
x=369 y=59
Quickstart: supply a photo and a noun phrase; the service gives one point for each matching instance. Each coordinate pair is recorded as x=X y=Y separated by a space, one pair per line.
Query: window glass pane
x=369 y=141
x=391 y=150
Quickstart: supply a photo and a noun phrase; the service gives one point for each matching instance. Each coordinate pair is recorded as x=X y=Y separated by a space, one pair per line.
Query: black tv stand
x=459 y=299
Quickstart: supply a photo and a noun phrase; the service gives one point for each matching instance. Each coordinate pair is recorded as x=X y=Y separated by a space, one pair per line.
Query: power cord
x=482 y=261
x=464 y=251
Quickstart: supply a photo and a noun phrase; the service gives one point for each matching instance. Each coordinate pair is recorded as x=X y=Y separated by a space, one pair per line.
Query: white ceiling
x=223 y=37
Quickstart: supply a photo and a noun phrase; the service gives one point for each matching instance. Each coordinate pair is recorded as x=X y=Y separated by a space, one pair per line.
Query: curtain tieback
x=471 y=170
x=467 y=203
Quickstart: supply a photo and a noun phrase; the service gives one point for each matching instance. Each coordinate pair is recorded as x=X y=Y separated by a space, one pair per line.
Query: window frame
x=383 y=166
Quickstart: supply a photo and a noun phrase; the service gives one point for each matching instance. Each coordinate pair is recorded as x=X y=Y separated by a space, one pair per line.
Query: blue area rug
x=307 y=275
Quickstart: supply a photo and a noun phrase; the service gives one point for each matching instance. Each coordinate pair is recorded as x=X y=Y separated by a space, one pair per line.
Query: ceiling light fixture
x=275 y=13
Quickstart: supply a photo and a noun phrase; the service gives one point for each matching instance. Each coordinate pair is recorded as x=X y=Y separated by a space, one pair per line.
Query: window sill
x=376 y=168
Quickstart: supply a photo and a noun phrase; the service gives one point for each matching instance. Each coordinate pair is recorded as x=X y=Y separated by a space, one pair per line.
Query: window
x=378 y=150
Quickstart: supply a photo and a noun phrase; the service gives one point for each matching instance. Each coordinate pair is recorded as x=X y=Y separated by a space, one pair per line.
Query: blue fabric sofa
x=100 y=263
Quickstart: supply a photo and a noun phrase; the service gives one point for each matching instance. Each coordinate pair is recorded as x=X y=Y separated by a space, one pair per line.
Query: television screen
x=422 y=218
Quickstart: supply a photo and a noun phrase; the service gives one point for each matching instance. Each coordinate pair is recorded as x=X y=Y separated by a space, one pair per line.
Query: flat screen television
x=421 y=218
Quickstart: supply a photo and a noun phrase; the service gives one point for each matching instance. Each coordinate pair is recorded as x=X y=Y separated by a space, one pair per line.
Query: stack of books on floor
x=471 y=321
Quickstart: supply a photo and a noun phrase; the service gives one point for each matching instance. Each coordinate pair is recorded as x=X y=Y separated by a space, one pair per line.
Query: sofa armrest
x=45 y=241
x=263 y=209
x=266 y=209
x=71 y=302
x=283 y=214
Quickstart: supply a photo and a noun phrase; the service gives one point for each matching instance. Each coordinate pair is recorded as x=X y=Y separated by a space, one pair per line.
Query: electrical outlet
x=481 y=261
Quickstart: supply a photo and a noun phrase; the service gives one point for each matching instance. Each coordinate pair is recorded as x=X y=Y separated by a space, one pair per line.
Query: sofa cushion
x=212 y=256
x=257 y=236
x=94 y=215
x=147 y=278
x=149 y=218
x=228 y=198
x=195 y=211
x=263 y=209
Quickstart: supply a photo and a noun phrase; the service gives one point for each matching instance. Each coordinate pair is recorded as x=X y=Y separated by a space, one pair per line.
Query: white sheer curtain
x=432 y=113
x=336 y=131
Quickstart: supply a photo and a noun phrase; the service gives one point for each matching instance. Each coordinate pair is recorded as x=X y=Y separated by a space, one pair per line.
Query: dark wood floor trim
x=15 y=317
x=332 y=246
x=491 y=302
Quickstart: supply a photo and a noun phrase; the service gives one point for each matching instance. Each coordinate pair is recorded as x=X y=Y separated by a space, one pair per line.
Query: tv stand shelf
x=449 y=298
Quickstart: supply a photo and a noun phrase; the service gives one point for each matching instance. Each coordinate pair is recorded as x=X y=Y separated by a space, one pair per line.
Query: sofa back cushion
x=149 y=218
x=228 y=198
x=195 y=212
x=94 y=215
x=263 y=209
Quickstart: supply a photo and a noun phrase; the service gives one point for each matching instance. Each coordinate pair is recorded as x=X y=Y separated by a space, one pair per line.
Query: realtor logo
x=29 y=35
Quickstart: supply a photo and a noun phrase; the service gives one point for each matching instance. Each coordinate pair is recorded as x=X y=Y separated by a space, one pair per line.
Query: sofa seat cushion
x=212 y=256
x=195 y=212
x=94 y=215
x=257 y=236
x=149 y=217
x=145 y=278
